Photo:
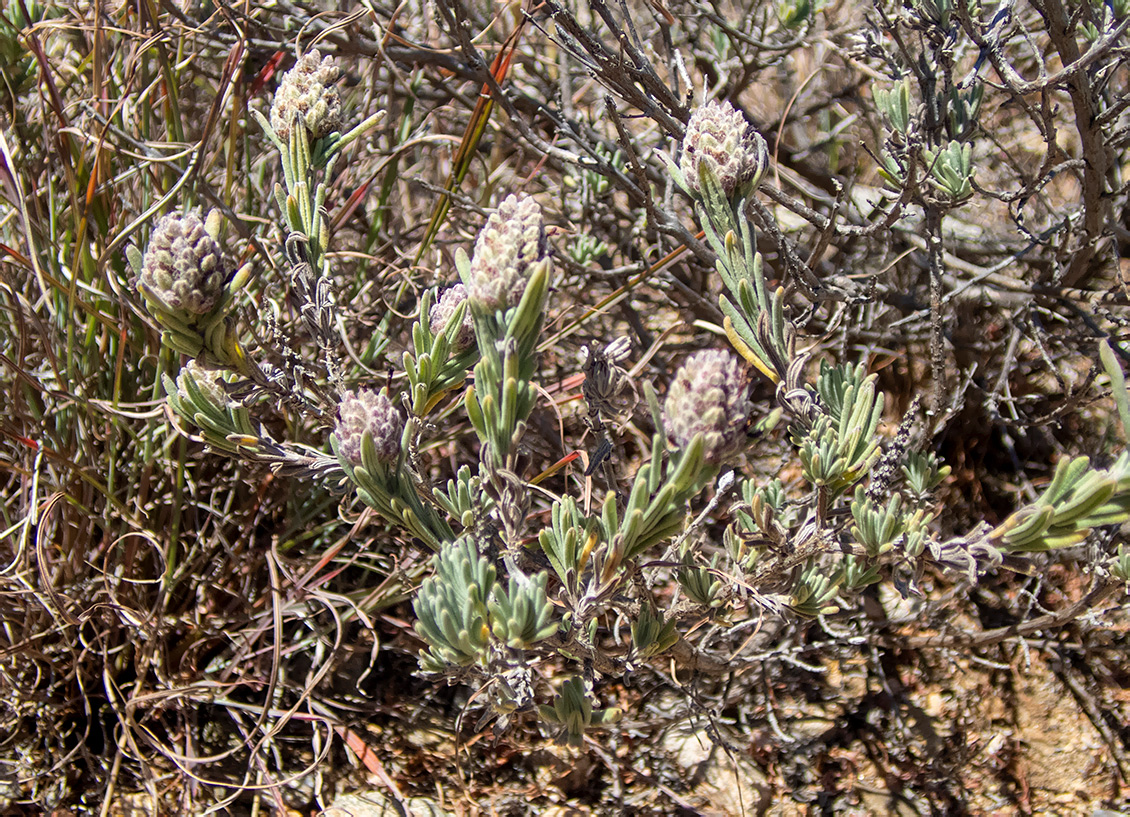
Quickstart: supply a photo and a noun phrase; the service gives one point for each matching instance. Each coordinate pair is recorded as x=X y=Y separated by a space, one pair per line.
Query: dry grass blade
x=469 y=144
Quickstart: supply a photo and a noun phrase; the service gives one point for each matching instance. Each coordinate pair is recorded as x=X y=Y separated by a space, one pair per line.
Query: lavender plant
x=860 y=514
x=684 y=480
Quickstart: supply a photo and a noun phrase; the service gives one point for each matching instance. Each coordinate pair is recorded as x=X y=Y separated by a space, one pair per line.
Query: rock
x=722 y=784
x=377 y=804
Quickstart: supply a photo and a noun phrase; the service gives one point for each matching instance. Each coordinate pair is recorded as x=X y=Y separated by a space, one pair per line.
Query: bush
x=625 y=398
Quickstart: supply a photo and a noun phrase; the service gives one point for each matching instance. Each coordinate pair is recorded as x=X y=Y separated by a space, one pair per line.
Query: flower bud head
x=719 y=136
x=708 y=397
x=444 y=308
x=372 y=412
x=307 y=96
x=183 y=266
x=208 y=382
x=512 y=240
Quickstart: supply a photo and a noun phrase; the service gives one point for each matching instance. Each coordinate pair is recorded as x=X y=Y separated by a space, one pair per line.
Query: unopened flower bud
x=183 y=266
x=441 y=313
x=208 y=382
x=708 y=396
x=510 y=243
x=307 y=96
x=719 y=137
x=368 y=411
